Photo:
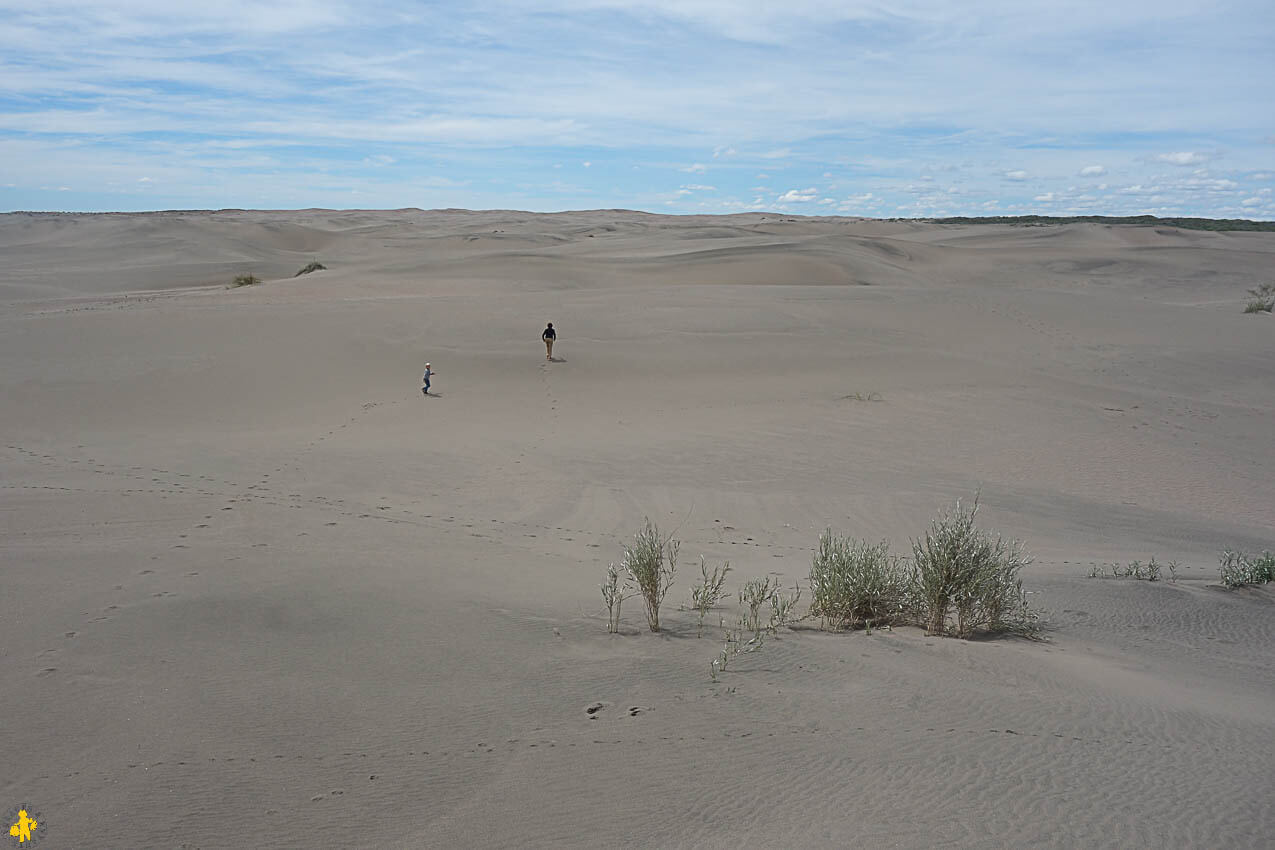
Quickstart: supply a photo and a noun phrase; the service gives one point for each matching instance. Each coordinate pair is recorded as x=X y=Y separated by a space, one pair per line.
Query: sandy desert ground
x=256 y=590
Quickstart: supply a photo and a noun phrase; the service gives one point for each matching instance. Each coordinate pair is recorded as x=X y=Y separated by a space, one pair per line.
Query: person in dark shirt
x=549 y=336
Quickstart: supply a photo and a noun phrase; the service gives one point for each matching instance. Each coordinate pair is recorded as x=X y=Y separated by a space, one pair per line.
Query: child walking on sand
x=428 y=372
x=549 y=336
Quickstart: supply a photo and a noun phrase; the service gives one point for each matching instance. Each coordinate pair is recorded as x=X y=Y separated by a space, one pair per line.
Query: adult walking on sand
x=429 y=371
x=549 y=336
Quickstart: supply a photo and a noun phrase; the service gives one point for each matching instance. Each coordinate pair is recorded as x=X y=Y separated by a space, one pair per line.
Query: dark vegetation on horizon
x=1136 y=220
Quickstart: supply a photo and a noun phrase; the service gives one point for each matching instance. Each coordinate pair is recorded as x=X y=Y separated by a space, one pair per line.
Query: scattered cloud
x=1048 y=197
x=798 y=196
x=1183 y=158
x=306 y=102
x=696 y=187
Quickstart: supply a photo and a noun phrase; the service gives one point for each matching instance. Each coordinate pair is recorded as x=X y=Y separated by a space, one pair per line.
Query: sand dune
x=255 y=584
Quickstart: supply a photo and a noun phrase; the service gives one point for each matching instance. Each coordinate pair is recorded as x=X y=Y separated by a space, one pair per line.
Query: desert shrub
x=1263 y=300
x=311 y=267
x=1238 y=569
x=752 y=596
x=853 y=583
x=783 y=608
x=245 y=280
x=651 y=562
x=614 y=592
x=709 y=591
x=1152 y=570
x=958 y=568
x=734 y=642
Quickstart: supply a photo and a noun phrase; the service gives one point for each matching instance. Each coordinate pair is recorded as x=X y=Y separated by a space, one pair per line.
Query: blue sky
x=879 y=109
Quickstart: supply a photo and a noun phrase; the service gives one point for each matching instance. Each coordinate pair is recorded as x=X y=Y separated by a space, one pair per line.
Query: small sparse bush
x=651 y=562
x=614 y=592
x=733 y=643
x=311 y=267
x=245 y=280
x=853 y=583
x=709 y=591
x=958 y=567
x=1238 y=569
x=1150 y=571
x=783 y=608
x=1263 y=300
x=752 y=596
x=856 y=396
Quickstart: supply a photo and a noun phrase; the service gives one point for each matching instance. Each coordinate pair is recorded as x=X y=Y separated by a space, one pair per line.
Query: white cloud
x=721 y=151
x=1048 y=197
x=144 y=180
x=1184 y=158
x=696 y=168
x=1092 y=171
x=781 y=153
x=1016 y=175
x=379 y=160
x=587 y=164
x=696 y=187
x=1250 y=202
x=798 y=196
x=1261 y=175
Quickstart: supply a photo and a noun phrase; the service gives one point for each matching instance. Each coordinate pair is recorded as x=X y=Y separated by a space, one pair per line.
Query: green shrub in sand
x=958 y=569
x=651 y=562
x=1238 y=569
x=1263 y=300
x=853 y=583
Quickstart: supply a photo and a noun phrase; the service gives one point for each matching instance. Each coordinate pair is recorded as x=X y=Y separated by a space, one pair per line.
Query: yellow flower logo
x=21 y=830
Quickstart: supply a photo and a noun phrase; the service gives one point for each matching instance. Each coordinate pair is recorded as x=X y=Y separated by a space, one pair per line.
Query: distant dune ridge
x=256 y=584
